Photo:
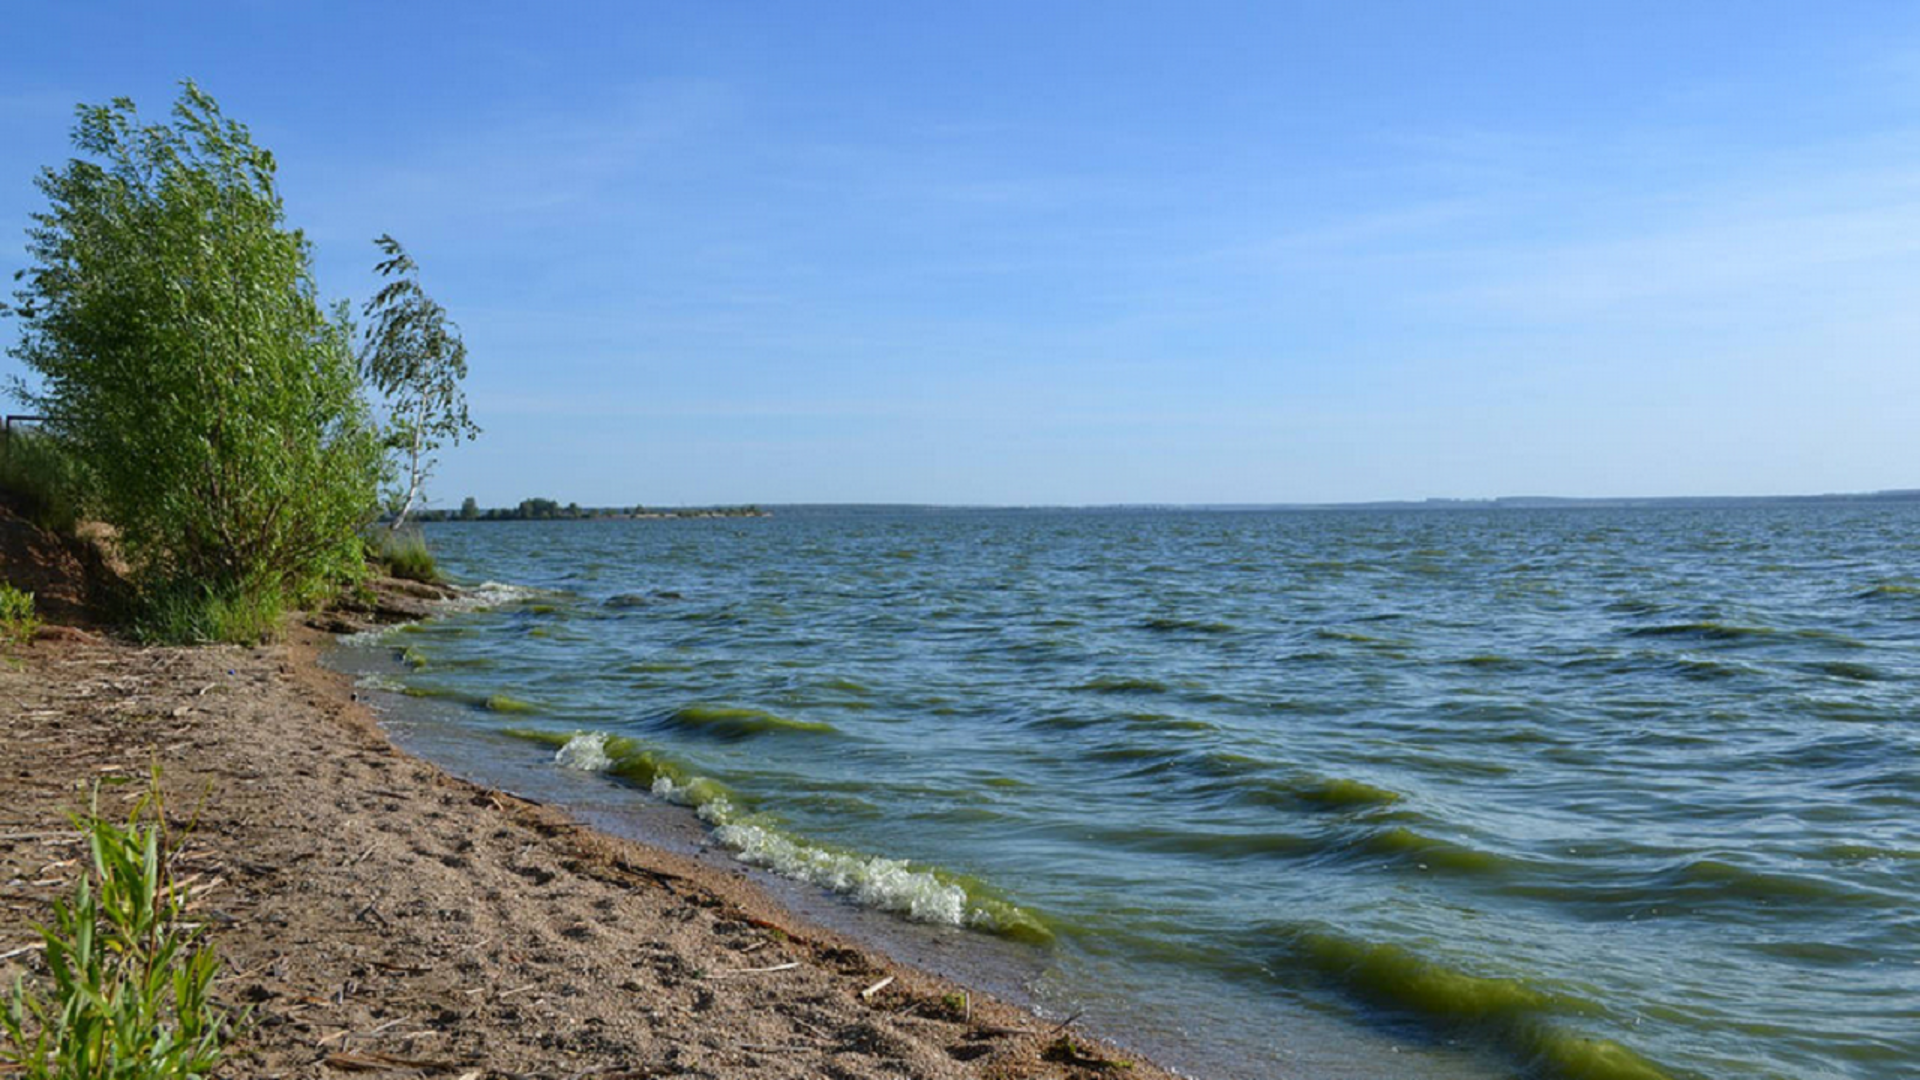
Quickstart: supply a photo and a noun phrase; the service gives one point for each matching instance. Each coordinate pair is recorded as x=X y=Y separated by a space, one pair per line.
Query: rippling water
x=1580 y=793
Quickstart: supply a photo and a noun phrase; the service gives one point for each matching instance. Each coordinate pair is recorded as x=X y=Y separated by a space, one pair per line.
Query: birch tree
x=414 y=356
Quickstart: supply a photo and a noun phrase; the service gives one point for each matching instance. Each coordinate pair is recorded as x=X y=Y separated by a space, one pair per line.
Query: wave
x=732 y=722
x=1702 y=669
x=1345 y=793
x=1704 y=631
x=493 y=594
x=1188 y=626
x=1351 y=637
x=384 y=683
x=1431 y=853
x=1523 y=1020
x=1312 y=793
x=1705 y=885
x=1711 y=880
x=495 y=703
x=924 y=894
x=1843 y=669
x=1122 y=684
x=638 y=600
x=372 y=636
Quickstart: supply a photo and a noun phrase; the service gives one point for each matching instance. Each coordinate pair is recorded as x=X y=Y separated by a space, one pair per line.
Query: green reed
x=130 y=975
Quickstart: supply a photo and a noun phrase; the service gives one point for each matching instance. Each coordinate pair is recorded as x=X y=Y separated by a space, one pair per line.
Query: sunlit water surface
x=1575 y=793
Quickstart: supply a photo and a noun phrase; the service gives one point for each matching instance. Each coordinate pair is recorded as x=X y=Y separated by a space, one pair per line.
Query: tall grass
x=195 y=613
x=46 y=483
x=404 y=554
x=130 y=975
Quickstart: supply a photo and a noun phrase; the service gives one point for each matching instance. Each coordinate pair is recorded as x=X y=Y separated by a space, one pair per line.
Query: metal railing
x=6 y=430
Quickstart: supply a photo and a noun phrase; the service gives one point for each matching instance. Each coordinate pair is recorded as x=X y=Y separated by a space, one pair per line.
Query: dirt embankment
x=379 y=916
x=73 y=581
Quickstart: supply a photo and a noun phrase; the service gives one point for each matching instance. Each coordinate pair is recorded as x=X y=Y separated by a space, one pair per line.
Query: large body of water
x=1562 y=793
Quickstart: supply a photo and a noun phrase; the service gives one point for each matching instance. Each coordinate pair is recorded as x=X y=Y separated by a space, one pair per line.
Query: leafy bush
x=17 y=620
x=130 y=977
x=186 y=362
x=43 y=479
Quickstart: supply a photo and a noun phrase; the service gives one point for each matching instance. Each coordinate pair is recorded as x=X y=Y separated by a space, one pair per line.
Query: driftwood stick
x=762 y=970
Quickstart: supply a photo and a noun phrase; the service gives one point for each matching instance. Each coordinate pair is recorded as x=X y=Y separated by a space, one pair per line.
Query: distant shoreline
x=1503 y=502
x=547 y=510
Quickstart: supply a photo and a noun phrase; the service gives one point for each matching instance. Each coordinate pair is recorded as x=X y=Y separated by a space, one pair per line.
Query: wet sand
x=378 y=915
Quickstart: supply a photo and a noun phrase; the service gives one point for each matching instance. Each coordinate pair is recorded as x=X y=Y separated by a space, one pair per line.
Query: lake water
x=1561 y=793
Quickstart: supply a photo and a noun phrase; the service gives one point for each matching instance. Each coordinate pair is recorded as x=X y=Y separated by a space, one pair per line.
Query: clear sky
x=1046 y=252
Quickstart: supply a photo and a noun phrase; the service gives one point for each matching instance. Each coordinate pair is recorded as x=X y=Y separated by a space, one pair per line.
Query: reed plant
x=405 y=554
x=130 y=975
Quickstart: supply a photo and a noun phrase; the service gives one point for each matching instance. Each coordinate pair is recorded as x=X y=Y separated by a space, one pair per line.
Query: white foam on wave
x=586 y=752
x=492 y=594
x=875 y=881
x=376 y=681
x=372 y=636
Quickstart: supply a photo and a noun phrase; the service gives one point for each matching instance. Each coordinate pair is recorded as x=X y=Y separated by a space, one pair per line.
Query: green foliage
x=405 y=555
x=43 y=479
x=186 y=363
x=469 y=509
x=414 y=356
x=130 y=977
x=188 y=612
x=1067 y=1051
x=17 y=620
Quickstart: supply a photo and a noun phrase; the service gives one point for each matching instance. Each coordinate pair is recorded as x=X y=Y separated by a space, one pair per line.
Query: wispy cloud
x=1722 y=242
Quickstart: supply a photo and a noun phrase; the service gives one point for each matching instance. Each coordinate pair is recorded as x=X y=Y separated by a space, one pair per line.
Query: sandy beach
x=377 y=915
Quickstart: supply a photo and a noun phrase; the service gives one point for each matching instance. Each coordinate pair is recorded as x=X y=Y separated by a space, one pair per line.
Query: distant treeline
x=551 y=510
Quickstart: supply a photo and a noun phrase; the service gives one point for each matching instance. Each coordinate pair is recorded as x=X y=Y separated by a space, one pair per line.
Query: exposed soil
x=73 y=581
x=380 y=916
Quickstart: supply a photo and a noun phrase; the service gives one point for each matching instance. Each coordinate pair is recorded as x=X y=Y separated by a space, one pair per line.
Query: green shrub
x=184 y=358
x=404 y=553
x=43 y=479
x=17 y=620
x=130 y=977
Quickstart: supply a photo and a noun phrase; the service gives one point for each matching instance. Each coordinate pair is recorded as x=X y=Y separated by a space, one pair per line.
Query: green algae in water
x=1427 y=852
x=926 y=894
x=501 y=703
x=1519 y=1018
x=1347 y=793
x=734 y=722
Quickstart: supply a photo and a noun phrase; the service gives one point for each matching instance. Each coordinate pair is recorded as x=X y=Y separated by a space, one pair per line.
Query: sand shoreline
x=380 y=915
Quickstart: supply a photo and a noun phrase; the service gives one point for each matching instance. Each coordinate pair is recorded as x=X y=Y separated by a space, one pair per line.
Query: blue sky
x=1091 y=253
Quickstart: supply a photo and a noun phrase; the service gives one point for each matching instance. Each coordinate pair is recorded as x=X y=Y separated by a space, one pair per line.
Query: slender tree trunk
x=414 y=478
